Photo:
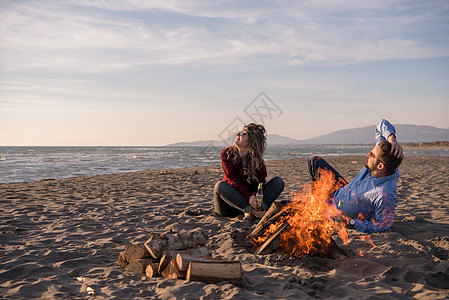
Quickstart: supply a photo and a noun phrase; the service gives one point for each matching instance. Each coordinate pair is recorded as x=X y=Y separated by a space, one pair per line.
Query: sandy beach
x=59 y=237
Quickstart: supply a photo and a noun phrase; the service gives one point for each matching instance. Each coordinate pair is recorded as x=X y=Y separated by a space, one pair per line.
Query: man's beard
x=370 y=168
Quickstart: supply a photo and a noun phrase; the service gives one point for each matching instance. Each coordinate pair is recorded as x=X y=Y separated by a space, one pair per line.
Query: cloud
x=105 y=36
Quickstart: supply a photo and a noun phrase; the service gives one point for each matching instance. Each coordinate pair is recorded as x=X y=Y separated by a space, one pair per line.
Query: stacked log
x=179 y=256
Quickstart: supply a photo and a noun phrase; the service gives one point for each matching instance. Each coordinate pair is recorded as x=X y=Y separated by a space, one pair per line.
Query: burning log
x=309 y=219
x=273 y=214
x=272 y=242
x=319 y=246
x=243 y=239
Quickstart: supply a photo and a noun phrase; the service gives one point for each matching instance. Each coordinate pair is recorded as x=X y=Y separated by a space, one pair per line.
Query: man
x=368 y=202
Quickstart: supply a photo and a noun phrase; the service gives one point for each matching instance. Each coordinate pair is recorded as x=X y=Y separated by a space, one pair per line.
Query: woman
x=244 y=168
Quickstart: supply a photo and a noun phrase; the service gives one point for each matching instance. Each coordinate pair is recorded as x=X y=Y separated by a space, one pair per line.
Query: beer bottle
x=259 y=196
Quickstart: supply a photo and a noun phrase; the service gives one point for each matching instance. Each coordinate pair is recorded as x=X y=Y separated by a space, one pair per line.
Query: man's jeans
x=316 y=164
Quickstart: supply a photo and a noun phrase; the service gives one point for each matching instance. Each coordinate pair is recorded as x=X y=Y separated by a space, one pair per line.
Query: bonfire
x=305 y=225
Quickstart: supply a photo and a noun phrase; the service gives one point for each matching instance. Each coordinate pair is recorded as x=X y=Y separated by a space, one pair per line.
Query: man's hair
x=390 y=161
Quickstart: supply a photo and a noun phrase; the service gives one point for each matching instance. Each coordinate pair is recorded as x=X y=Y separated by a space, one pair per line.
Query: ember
x=307 y=221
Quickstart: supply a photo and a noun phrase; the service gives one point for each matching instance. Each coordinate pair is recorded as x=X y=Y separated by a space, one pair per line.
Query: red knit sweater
x=233 y=175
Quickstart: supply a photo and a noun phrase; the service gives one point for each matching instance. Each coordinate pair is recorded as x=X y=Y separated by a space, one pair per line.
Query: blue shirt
x=369 y=200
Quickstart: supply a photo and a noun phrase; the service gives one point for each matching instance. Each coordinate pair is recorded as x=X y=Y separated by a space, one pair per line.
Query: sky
x=151 y=73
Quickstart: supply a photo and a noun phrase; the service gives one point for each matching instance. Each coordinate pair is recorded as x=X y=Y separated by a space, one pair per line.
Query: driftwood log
x=157 y=244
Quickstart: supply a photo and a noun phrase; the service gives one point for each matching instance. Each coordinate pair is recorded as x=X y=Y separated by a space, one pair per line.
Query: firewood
x=214 y=272
x=198 y=251
x=138 y=266
x=271 y=216
x=157 y=244
x=171 y=271
x=122 y=261
x=260 y=229
x=273 y=210
x=323 y=249
x=166 y=258
x=152 y=269
x=264 y=248
x=183 y=260
x=171 y=254
x=134 y=252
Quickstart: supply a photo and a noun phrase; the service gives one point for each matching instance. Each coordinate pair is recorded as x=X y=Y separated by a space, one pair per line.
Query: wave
x=23 y=164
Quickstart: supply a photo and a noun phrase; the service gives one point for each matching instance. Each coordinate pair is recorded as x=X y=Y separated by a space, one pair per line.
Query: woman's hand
x=255 y=212
x=252 y=201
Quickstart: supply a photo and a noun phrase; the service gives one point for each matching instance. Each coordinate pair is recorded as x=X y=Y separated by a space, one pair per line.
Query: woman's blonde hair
x=257 y=143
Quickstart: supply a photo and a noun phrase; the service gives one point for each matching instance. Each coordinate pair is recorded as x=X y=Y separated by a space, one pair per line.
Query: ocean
x=25 y=164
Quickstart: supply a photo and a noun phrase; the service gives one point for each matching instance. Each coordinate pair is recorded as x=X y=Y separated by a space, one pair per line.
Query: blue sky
x=159 y=72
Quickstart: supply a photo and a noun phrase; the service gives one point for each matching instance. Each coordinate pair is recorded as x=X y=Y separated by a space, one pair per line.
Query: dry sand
x=59 y=237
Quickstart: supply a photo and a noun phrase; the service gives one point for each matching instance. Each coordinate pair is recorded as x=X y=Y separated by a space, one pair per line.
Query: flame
x=271 y=229
x=368 y=237
x=311 y=219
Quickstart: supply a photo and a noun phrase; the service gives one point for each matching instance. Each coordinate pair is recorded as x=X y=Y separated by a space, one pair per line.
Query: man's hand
x=396 y=149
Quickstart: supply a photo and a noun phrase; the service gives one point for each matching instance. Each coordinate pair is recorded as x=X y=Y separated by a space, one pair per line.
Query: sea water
x=24 y=164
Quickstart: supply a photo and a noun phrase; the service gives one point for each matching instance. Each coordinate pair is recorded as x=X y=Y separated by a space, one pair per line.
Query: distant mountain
x=414 y=134
x=365 y=135
x=202 y=143
x=362 y=135
x=272 y=139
